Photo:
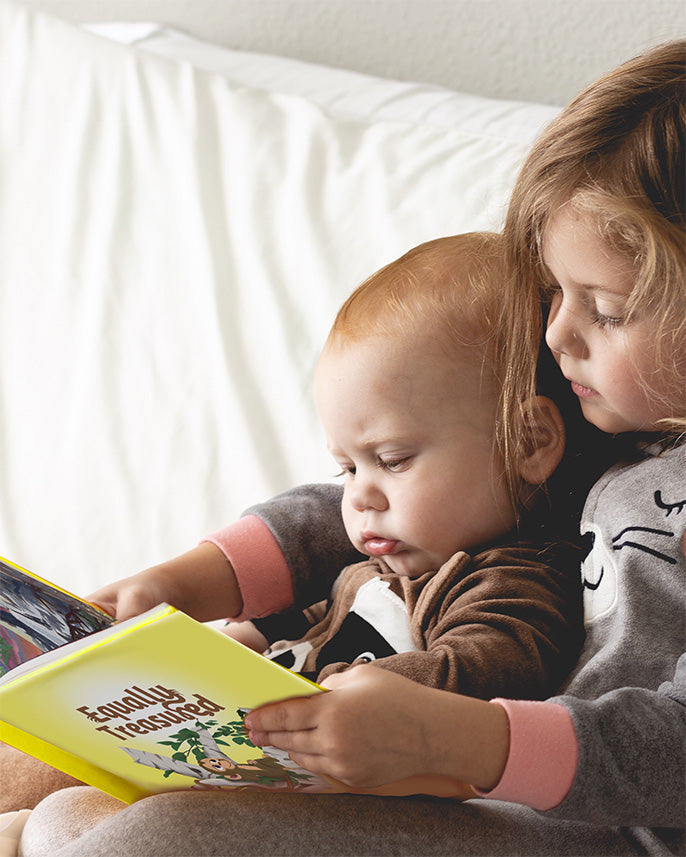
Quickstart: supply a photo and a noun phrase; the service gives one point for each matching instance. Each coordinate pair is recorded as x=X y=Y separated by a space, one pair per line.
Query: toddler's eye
x=346 y=470
x=394 y=464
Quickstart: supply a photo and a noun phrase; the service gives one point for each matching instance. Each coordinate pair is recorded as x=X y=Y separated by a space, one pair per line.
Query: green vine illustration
x=186 y=743
x=191 y=746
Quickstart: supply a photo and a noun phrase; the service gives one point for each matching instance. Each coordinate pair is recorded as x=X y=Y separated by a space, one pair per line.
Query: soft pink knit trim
x=543 y=757
x=261 y=570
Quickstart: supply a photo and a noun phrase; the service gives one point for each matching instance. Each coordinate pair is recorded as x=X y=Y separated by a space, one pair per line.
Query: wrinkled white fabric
x=173 y=247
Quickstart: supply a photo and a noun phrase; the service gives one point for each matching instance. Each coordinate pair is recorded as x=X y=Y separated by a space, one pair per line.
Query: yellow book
x=149 y=705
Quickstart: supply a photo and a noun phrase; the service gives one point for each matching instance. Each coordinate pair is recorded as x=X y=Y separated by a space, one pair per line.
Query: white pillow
x=342 y=93
x=173 y=246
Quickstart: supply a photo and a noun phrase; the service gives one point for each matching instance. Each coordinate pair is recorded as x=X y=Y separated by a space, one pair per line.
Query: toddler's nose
x=365 y=494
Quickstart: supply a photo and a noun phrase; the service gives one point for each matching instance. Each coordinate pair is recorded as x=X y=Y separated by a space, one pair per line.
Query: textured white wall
x=535 y=50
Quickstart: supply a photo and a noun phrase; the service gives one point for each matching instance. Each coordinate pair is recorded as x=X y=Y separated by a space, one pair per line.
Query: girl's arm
x=377 y=727
x=632 y=756
x=619 y=760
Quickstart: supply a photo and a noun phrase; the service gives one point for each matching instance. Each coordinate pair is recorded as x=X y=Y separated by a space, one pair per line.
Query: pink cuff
x=542 y=761
x=261 y=570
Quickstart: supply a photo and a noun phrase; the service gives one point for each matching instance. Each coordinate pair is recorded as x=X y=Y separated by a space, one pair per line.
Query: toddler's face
x=413 y=432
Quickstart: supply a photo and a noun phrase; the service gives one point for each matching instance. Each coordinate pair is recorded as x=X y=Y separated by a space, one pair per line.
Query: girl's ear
x=545 y=443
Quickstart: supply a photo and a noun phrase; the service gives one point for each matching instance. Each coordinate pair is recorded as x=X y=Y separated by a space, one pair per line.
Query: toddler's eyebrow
x=371 y=444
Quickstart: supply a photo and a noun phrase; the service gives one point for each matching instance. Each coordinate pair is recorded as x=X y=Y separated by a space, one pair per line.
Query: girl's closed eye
x=608 y=312
x=606 y=321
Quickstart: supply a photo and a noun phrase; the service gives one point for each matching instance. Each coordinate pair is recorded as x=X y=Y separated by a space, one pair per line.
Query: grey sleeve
x=632 y=756
x=306 y=522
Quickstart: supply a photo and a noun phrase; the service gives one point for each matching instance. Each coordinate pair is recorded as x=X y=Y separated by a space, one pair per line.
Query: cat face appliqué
x=653 y=537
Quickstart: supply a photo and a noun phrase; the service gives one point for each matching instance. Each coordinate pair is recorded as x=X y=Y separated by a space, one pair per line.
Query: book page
x=37 y=617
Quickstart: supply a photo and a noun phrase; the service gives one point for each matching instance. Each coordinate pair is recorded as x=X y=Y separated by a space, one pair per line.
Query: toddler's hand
x=200 y=582
x=130 y=597
x=246 y=633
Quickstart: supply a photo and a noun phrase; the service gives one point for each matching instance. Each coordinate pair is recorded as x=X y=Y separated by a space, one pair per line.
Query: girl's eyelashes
x=586 y=301
x=606 y=321
x=603 y=320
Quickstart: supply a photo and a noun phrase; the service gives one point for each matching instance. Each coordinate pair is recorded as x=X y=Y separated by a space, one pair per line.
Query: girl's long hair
x=615 y=153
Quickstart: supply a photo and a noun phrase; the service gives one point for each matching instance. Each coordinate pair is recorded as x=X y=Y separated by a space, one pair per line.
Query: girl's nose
x=365 y=494
x=563 y=334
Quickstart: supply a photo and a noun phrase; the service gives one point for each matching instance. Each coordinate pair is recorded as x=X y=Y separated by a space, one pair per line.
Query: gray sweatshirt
x=627 y=694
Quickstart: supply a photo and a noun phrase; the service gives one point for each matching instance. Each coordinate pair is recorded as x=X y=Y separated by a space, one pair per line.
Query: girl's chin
x=608 y=421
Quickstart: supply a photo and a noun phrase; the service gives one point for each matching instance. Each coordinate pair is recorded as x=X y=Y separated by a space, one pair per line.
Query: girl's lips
x=581 y=391
x=376 y=546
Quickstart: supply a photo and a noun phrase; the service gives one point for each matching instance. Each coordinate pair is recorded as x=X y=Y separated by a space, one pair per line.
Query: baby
x=408 y=390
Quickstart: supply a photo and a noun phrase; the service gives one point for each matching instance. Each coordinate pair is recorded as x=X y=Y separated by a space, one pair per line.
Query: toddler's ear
x=545 y=432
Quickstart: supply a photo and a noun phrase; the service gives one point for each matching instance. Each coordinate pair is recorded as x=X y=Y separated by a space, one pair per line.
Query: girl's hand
x=376 y=727
x=200 y=582
x=361 y=733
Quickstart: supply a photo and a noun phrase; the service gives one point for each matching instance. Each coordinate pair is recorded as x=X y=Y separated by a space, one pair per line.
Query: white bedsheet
x=173 y=246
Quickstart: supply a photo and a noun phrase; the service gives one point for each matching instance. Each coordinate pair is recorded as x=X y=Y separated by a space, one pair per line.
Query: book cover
x=156 y=703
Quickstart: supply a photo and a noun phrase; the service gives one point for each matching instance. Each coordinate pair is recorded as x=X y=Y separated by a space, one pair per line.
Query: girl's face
x=611 y=363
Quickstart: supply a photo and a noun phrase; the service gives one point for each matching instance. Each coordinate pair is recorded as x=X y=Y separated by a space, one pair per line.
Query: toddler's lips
x=376 y=546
